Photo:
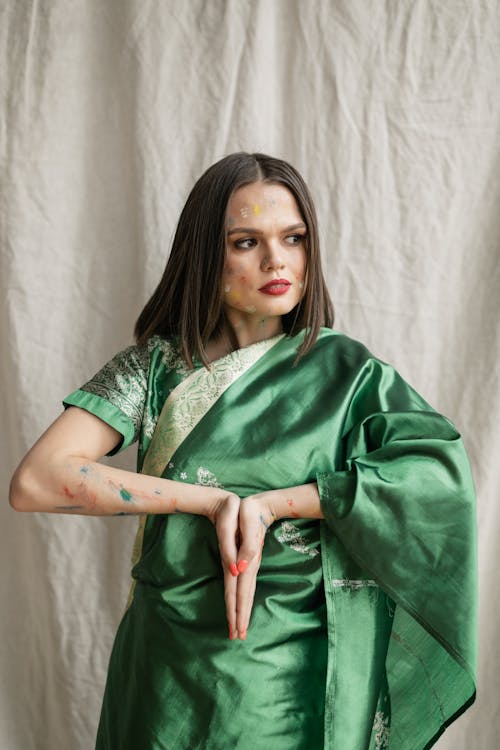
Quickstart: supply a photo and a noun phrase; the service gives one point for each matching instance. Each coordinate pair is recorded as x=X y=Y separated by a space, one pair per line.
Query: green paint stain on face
x=125 y=495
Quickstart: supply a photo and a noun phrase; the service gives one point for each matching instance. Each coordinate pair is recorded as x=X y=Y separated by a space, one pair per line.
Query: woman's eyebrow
x=249 y=230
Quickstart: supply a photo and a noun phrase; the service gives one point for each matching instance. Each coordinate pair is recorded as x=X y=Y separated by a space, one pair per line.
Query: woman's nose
x=273 y=257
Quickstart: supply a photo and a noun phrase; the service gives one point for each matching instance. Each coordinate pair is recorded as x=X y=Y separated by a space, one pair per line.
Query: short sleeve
x=117 y=394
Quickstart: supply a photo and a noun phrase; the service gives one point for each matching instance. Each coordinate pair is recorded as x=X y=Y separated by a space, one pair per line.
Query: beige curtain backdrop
x=110 y=109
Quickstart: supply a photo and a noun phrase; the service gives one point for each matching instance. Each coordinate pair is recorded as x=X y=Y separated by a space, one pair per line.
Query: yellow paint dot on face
x=256 y=209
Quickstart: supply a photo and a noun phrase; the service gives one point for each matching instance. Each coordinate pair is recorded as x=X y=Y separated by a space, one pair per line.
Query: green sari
x=363 y=630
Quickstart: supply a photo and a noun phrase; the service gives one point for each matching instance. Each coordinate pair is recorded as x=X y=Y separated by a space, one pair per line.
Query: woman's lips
x=276 y=287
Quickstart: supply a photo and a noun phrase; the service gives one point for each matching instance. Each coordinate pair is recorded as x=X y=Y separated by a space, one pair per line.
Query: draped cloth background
x=109 y=111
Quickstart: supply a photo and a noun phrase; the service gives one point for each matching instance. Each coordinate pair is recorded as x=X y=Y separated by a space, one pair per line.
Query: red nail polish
x=234 y=569
x=243 y=635
x=242 y=565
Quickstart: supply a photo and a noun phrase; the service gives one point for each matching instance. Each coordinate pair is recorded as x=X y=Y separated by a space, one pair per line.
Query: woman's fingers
x=245 y=594
x=253 y=526
x=226 y=526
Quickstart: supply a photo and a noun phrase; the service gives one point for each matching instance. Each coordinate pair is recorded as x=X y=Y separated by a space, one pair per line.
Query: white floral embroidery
x=381 y=731
x=183 y=475
x=291 y=536
x=170 y=465
x=353 y=584
x=148 y=424
x=206 y=478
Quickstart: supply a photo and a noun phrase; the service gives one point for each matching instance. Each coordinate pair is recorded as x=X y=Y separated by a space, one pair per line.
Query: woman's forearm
x=301 y=501
x=78 y=486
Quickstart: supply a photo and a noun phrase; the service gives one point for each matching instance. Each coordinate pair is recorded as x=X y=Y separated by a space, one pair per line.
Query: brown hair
x=188 y=301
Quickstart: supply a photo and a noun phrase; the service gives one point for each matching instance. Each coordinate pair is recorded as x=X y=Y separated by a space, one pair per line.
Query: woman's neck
x=239 y=334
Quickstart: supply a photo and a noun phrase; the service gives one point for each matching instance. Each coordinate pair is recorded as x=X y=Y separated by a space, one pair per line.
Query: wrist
x=296 y=502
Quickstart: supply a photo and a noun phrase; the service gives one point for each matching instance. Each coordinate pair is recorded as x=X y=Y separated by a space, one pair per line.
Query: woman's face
x=265 y=267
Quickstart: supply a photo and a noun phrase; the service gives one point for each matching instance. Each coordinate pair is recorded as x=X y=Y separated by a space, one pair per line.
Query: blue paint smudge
x=263 y=521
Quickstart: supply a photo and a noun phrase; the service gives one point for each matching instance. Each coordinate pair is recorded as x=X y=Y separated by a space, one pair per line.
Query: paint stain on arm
x=125 y=495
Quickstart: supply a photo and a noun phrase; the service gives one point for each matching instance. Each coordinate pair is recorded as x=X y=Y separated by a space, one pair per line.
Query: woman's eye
x=246 y=244
x=295 y=239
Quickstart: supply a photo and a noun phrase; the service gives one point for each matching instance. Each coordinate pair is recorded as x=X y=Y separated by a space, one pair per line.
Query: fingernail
x=232 y=634
x=234 y=569
x=242 y=565
x=243 y=635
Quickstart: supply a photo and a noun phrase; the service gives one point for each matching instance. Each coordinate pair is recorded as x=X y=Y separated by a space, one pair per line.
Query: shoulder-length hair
x=188 y=301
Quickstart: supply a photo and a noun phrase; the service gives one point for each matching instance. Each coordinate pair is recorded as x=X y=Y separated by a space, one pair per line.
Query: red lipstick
x=276 y=286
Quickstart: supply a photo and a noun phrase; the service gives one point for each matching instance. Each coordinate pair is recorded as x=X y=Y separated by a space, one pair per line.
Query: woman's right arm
x=61 y=474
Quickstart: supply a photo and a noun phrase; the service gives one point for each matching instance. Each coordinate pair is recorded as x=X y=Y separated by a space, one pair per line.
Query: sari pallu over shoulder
x=399 y=528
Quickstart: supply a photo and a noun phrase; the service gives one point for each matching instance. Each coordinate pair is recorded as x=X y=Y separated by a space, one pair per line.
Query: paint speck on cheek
x=84 y=470
x=301 y=284
x=243 y=279
x=290 y=503
x=250 y=309
x=157 y=492
x=227 y=288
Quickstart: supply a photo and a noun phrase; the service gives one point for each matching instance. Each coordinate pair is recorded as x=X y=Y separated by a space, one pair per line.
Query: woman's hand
x=256 y=514
x=241 y=527
x=224 y=515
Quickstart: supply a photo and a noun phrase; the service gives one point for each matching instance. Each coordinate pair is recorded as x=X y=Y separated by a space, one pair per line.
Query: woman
x=290 y=484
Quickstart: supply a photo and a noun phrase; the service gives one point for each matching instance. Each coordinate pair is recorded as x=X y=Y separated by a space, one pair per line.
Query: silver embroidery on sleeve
x=123 y=382
x=291 y=536
x=171 y=356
